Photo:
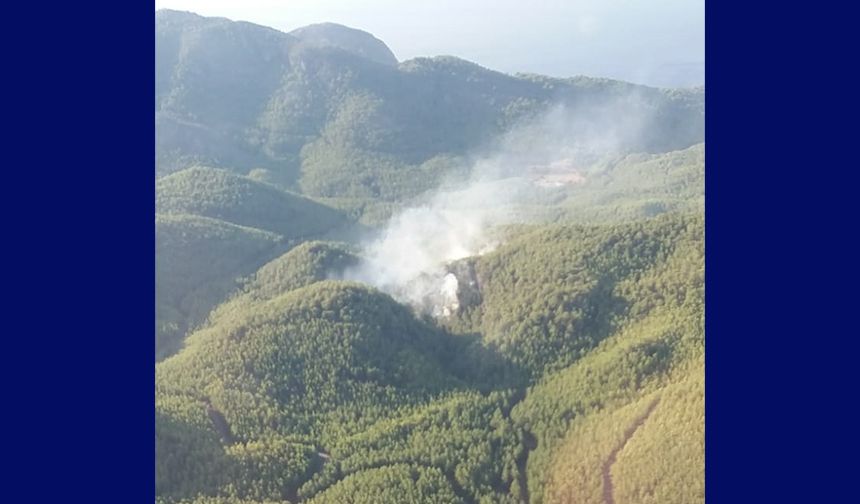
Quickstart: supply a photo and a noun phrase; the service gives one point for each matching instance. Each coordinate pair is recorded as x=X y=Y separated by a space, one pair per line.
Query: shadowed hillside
x=420 y=281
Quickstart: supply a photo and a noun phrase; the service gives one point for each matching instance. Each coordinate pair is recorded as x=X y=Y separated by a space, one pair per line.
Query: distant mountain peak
x=348 y=39
x=176 y=13
x=179 y=16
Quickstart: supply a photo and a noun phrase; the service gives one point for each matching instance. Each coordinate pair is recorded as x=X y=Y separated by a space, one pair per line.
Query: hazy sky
x=657 y=42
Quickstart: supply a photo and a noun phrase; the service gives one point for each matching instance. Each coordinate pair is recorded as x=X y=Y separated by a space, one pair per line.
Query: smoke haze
x=410 y=258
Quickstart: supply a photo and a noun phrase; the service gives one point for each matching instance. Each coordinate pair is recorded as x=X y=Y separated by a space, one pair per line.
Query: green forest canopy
x=576 y=371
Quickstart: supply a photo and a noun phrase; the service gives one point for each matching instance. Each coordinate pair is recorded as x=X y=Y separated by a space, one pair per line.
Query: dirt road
x=608 y=489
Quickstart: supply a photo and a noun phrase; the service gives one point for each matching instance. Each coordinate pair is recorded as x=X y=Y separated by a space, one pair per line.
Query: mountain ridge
x=326 y=122
x=290 y=165
x=348 y=39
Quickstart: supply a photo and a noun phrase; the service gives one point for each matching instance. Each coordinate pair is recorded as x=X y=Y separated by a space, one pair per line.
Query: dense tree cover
x=615 y=189
x=632 y=187
x=197 y=261
x=305 y=264
x=366 y=211
x=315 y=367
x=366 y=351
x=467 y=436
x=341 y=391
x=648 y=450
x=317 y=114
x=642 y=358
x=192 y=460
x=371 y=177
x=597 y=316
x=577 y=472
x=347 y=39
x=240 y=200
x=552 y=295
x=302 y=265
x=577 y=370
x=214 y=227
x=647 y=469
x=396 y=484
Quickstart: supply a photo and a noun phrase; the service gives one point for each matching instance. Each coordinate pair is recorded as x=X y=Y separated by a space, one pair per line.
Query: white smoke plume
x=409 y=258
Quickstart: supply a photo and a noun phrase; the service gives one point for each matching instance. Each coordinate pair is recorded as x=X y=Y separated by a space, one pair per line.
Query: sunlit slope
x=395 y=484
x=240 y=200
x=651 y=450
x=307 y=353
x=302 y=265
x=665 y=460
x=632 y=187
x=641 y=286
x=327 y=111
x=332 y=367
x=552 y=295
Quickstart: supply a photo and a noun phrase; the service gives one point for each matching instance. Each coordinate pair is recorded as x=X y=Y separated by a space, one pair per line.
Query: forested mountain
x=196 y=259
x=568 y=363
x=327 y=110
x=332 y=381
x=347 y=39
x=220 y=194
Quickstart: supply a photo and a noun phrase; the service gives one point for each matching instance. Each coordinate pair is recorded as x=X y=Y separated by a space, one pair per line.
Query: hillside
x=308 y=368
x=320 y=366
x=197 y=260
x=213 y=228
x=325 y=111
x=303 y=265
x=635 y=186
x=222 y=195
x=551 y=295
x=552 y=231
x=347 y=39
x=630 y=454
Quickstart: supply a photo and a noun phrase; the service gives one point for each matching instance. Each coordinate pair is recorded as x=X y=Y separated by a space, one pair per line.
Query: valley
x=420 y=281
